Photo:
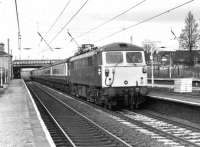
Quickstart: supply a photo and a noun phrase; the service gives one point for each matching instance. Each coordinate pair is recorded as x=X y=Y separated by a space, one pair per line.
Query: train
x=112 y=75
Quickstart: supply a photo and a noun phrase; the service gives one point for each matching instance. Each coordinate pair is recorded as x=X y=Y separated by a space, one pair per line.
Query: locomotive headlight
x=99 y=71
x=106 y=72
x=113 y=70
x=144 y=69
x=142 y=81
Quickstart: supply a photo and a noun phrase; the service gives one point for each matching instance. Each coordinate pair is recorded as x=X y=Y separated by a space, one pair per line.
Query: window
x=55 y=71
x=114 y=57
x=47 y=72
x=134 y=57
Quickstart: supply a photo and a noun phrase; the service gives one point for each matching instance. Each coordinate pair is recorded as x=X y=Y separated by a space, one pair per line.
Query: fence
x=177 y=71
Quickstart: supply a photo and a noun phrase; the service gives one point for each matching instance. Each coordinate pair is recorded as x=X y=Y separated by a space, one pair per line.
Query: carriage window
x=55 y=71
x=47 y=72
x=114 y=57
x=134 y=57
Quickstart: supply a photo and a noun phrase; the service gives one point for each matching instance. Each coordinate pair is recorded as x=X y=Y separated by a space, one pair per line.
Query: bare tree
x=148 y=46
x=189 y=37
x=190 y=34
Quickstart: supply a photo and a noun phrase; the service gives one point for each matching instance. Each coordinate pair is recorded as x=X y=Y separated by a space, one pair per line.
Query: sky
x=39 y=15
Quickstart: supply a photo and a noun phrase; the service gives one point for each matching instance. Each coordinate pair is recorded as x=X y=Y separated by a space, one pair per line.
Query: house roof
x=2 y=53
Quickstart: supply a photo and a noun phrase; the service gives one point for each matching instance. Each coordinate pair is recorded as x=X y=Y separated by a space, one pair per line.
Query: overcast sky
x=39 y=15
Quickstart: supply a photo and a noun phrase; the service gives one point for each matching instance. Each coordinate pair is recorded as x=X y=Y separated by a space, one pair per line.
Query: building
x=5 y=66
x=180 y=57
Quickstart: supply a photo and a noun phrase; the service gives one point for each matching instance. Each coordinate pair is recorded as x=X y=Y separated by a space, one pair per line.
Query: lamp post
x=5 y=70
x=152 y=75
x=170 y=65
x=1 y=78
x=152 y=45
x=152 y=65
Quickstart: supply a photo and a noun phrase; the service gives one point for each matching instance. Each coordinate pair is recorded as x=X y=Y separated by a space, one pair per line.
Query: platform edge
x=44 y=128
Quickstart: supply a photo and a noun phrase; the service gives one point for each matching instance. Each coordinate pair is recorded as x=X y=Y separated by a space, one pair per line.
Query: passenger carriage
x=55 y=75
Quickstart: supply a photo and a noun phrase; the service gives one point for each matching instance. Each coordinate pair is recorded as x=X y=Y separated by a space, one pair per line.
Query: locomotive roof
x=120 y=46
x=110 y=47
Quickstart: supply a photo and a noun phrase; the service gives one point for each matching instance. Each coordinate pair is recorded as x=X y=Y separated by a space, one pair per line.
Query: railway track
x=164 y=130
x=56 y=132
x=72 y=128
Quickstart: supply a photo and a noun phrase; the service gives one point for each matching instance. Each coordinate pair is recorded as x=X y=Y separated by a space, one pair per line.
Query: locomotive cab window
x=134 y=57
x=114 y=57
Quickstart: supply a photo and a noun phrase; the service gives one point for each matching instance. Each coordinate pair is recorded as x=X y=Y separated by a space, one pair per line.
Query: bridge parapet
x=21 y=64
x=33 y=63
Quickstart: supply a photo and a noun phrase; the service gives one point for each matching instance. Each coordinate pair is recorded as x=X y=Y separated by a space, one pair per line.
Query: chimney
x=2 y=47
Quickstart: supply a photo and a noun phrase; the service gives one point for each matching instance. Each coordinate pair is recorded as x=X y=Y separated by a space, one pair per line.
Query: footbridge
x=18 y=65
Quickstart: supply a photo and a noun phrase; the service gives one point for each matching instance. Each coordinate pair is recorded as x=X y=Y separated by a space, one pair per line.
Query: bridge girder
x=20 y=64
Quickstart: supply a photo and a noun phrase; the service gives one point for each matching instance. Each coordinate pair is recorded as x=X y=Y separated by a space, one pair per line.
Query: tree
x=148 y=46
x=189 y=37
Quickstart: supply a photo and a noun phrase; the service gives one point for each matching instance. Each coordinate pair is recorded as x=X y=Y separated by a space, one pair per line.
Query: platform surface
x=20 y=125
x=166 y=92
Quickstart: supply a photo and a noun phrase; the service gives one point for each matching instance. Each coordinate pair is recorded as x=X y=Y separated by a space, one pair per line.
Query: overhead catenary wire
x=58 y=17
x=111 y=19
x=19 y=33
x=73 y=16
x=143 y=21
x=17 y=15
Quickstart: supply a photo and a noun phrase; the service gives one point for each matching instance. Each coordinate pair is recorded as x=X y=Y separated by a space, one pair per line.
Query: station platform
x=166 y=92
x=20 y=121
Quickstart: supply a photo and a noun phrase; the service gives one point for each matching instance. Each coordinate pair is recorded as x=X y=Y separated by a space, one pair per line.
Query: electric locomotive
x=112 y=75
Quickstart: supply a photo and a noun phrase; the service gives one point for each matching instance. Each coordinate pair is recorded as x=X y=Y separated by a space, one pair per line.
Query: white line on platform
x=44 y=128
x=175 y=100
